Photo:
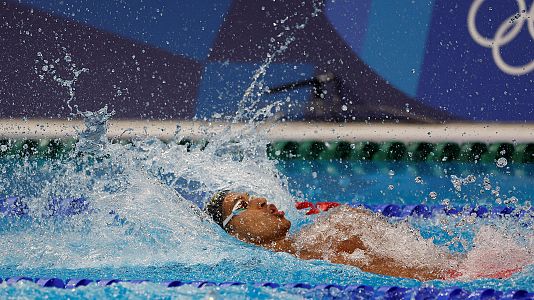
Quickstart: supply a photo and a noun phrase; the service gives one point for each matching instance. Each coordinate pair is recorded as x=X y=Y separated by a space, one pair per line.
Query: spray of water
x=138 y=198
x=142 y=199
x=247 y=107
x=50 y=69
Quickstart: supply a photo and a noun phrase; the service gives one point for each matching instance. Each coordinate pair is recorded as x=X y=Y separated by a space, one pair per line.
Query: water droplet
x=433 y=195
x=314 y=174
x=456 y=182
x=68 y=58
x=390 y=187
x=470 y=178
x=511 y=200
x=486 y=184
x=344 y=107
x=502 y=162
x=391 y=173
x=418 y=179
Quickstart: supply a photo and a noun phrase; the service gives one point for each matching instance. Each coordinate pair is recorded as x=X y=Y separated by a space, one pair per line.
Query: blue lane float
x=173 y=283
x=74 y=283
x=51 y=282
x=13 y=206
x=16 y=206
x=426 y=211
x=365 y=291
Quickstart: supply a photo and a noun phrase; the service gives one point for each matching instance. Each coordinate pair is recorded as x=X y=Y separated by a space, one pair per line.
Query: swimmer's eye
x=241 y=204
x=239 y=207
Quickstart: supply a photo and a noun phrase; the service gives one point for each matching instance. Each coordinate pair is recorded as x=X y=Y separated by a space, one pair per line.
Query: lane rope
x=368 y=292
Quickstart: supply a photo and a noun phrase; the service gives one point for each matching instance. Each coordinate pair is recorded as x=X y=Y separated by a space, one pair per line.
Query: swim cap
x=214 y=207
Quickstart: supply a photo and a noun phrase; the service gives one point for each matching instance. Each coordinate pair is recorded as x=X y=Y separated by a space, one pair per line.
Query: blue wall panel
x=384 y=54
x=395 y=40
x=182 y=27
x=462 y=76
x=349 y=17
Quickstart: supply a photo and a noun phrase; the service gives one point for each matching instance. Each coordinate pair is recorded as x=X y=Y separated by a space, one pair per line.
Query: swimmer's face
x=259 y=223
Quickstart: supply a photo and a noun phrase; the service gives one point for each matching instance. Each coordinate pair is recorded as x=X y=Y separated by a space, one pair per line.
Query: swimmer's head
x=214 y=207
x=250 y=219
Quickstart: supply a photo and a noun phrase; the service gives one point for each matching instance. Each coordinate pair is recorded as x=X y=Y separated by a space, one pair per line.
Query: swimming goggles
x=239 y=207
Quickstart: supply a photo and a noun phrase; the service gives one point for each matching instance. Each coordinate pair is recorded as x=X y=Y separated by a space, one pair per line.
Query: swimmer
x=344 y=235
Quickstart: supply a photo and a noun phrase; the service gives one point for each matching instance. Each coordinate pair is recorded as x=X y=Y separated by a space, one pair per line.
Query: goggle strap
x=234 y=213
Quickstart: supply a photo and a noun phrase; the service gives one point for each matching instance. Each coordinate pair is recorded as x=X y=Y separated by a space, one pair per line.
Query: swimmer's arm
x=384 y=266
x=339 y=249
x=380 y=265
x=375 y=263
x=350 y=245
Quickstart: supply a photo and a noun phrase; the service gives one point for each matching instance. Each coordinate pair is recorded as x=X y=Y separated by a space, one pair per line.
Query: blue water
x=221 y=258
x=374 y=182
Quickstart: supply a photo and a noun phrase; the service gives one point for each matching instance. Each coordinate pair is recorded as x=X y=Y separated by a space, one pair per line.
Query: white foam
x=496 y=251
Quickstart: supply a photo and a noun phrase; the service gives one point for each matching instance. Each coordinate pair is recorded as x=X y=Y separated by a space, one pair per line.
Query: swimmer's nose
x=258 y=202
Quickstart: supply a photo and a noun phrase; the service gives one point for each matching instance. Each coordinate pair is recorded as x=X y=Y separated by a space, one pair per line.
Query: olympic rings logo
x=508 y=30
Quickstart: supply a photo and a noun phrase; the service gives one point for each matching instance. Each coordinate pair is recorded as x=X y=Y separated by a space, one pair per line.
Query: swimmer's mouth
x=275 y=211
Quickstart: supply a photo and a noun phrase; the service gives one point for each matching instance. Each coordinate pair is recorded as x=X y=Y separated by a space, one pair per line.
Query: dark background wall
x=413 y=61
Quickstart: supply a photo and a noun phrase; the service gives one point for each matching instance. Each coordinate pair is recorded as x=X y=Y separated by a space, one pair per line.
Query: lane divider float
x=322 y=150
x=13 y=206
x=353 y=291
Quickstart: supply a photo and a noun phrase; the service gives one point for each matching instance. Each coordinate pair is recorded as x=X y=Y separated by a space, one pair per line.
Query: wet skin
x=264 y=225
x=261 y=223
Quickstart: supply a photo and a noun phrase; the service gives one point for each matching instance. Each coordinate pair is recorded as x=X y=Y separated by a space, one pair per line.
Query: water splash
x=93 y=139
x=131 y=209
x=50 y=69
x=247 y=107
x=140 y=195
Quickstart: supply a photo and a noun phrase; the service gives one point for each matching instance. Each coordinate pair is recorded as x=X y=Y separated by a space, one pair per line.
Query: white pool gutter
x=287 y=131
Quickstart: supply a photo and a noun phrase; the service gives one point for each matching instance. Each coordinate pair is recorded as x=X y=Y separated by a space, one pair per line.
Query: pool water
x=178 y=246
x=379 y=182
x=142 y=221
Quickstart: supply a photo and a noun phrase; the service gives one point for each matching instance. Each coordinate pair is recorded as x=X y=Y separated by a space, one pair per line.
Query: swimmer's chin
x=278 y=235
x=260 y=241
